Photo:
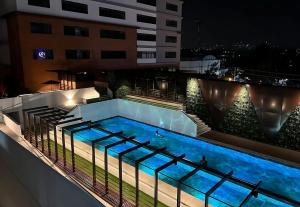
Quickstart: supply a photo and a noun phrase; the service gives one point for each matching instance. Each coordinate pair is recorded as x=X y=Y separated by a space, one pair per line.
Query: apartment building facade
x=59 y=40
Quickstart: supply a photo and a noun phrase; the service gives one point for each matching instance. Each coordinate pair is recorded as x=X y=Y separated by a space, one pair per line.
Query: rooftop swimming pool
x=275 y=177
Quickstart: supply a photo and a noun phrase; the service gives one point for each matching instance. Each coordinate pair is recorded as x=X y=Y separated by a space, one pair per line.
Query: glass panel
x=230 y=193
x=217 y=203
x=150 y=183
x=114 y=151
x=175 y=172
x=264 y=201
x=198 y=198
x=89 y=135
x=102 y=144
x=135 y=155
x=201 y=181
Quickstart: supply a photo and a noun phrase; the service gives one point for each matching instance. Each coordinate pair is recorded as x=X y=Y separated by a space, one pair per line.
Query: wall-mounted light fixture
x=216 y=92
x=273 y=104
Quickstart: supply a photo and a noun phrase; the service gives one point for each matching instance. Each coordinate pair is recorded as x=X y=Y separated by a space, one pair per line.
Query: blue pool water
x=275 y=177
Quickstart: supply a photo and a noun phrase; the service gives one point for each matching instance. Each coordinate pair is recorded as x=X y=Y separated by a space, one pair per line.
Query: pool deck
x=267 y=151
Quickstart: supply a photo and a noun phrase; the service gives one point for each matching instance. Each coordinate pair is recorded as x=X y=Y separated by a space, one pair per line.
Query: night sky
x=230 y=21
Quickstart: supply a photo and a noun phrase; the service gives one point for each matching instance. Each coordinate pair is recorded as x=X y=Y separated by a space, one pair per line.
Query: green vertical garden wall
x=241 y=117
x=289 y=134
x=195 y=101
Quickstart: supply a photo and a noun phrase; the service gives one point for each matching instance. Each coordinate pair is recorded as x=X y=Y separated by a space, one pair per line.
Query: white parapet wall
x=12 y=125
x=65 y=99
x=168 y=119
x=8 y=104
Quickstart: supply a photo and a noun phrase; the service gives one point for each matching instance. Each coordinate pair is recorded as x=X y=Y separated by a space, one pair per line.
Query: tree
x=241 y=118
x=196 y=102
x=289 y=134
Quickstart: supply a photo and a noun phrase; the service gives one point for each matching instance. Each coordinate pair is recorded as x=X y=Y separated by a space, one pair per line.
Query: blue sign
x=42 y=54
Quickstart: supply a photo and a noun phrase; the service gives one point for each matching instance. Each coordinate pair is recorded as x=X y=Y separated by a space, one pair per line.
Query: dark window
x=41 y=28
x=172 y=7
x=171 y=23
x=170 y=55
x=146 y=19
x=112 y=34
x=113 y=54
x=105 y=12
x=42 y=54
x=146 y=55
x=147 y=2
x=171 y=39
x=146 y=37
x=74 y=7
x=76 y=31
x=77 y=54
x=40 y=3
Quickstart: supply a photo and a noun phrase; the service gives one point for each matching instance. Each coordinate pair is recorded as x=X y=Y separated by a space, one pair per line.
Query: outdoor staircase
x=202 y=128
x=155 y=102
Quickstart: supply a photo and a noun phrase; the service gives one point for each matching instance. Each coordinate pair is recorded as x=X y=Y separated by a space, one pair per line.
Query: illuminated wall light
x=216 y=92
x=230 y=79
x=193 y=86
x=283 y=106
x=273 y=104
x=163 y=85
x=70 y=102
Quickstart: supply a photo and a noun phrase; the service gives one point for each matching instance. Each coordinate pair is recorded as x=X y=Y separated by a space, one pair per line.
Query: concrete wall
x=93 y=11
x=163 y=14
x=45 y=185
x=8 y=105
x=4 y=46
x=7 y=6
x=65 y=99
x=165 y=118
x=96 y=111
x=161 y=7
x=12 y=125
